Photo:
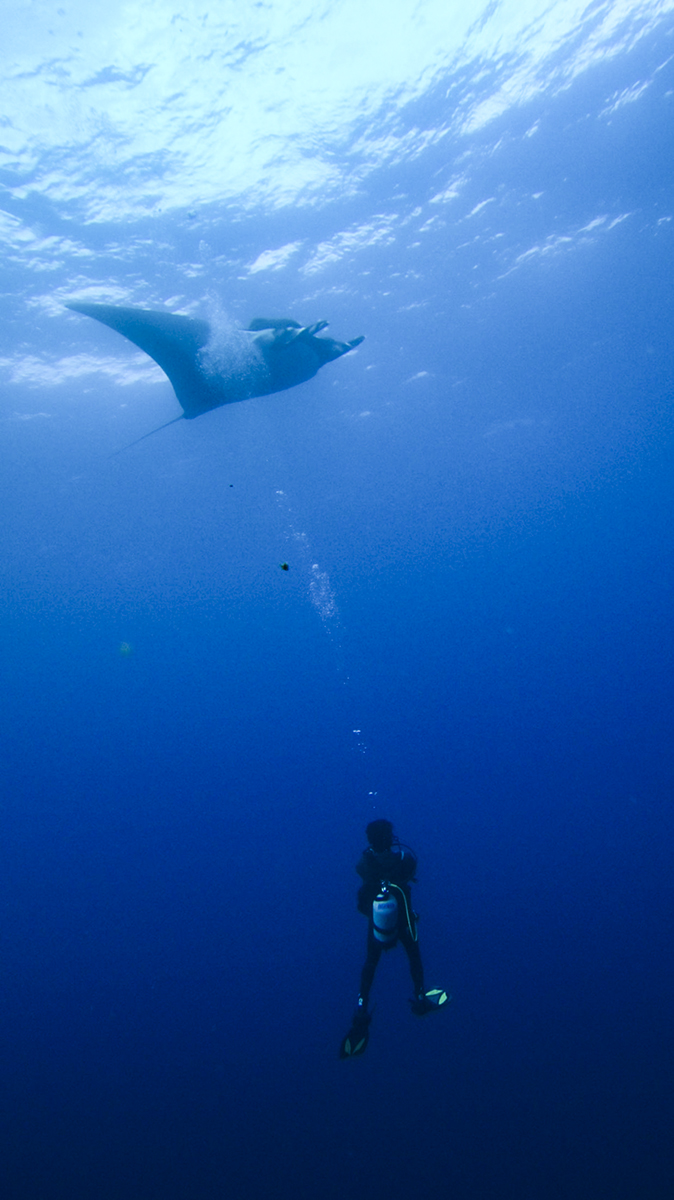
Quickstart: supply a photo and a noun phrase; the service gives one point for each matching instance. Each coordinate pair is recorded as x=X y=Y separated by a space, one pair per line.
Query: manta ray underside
x=207 y=370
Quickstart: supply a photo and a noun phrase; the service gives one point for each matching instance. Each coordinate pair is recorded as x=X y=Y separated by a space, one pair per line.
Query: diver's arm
x=365 y=867
x=408 y=869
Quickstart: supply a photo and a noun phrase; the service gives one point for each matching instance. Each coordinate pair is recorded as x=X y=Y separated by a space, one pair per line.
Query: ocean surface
x=473 y=637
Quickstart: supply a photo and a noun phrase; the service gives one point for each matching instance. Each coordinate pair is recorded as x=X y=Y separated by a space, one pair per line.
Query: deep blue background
x=180 y=942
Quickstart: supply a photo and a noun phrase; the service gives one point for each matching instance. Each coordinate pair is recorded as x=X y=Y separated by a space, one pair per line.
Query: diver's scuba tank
x=385 y=917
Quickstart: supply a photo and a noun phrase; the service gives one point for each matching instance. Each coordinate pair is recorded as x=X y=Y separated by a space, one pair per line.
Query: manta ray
x=207 y=370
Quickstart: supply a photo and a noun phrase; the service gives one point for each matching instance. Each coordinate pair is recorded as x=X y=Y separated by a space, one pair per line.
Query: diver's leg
x=355 y=1042
x=374 y=952
x=356 y=1039
x=414 y=956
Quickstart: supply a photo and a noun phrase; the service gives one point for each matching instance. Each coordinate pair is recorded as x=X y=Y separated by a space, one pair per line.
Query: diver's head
x=380 y=835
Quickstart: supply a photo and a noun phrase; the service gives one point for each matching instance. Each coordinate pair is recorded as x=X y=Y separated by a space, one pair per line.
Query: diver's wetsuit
x=396 y=866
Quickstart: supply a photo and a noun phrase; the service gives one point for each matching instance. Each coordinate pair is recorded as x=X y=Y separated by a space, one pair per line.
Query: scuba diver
x=387 y=869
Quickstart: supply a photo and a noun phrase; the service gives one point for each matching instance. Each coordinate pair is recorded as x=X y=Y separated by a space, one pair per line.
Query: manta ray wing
x=259 y=323
x=280 y=354
x=172 y=341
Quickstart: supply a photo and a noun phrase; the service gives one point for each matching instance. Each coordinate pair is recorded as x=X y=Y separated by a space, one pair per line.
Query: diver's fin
x=145 y=435
x=355 y=1042
x=430 y=1001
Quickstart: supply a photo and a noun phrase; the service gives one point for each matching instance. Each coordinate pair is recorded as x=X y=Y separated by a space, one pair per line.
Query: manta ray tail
x=146 y=435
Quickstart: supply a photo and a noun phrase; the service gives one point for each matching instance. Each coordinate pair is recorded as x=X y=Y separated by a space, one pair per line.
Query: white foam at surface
x=128 y=109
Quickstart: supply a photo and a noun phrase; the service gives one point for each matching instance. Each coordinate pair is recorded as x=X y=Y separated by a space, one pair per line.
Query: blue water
x=473 y=638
